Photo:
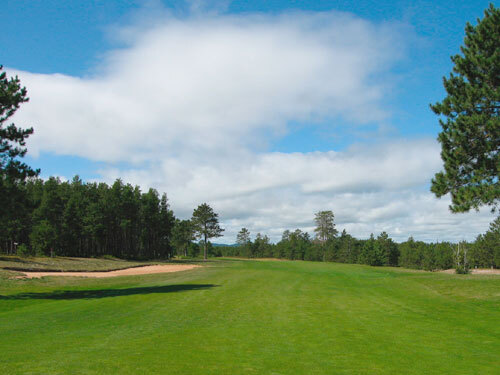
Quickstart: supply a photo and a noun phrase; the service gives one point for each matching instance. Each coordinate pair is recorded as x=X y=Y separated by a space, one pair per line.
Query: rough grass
x=67 y=263
x=253 y=317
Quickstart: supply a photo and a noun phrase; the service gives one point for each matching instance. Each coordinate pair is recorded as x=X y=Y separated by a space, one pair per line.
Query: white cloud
x=192 y=103
x=213 y=85
x=370 y=190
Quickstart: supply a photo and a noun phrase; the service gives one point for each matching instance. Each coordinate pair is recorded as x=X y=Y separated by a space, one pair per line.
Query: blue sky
x=254 y=122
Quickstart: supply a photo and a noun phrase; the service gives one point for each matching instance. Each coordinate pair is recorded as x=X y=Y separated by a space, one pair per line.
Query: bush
x=461 y=270
x=25 y=251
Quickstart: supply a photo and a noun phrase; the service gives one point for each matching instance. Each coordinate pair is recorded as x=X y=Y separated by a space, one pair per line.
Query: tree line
x=86 y=219
x=73 y=218
x=328 y=245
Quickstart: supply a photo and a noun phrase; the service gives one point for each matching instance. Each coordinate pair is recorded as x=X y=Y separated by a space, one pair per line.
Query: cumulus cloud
x=370 y=190
x=213 y=84
x=190 y=104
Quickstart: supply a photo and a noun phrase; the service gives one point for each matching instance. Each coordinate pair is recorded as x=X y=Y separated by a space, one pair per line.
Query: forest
x=86 y=220
x=74 y=218
x=377 y=251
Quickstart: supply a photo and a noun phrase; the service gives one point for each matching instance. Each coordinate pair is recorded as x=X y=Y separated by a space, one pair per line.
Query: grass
x=253 y=317
x=66 y=263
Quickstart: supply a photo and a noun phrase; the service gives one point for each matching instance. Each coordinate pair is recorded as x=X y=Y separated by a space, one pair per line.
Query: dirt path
x=125 y=272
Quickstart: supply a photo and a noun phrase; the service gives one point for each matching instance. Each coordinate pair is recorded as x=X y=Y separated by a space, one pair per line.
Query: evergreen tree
x=206 y=225
x=48 y=219
x=13 y=173
x=330 y=250
x=72 y=223
x=470 y=139
x=44 y=238
x=151 y=225
x=325 y=228
x=372 y=253
x=243 y=237
x=286 y=235
x=297 y=245
x=261 y=248
x=12 y=138
x=95 y=220
x=388 y=250
x=167 y=222
x=348 y=248
x=444 y=255
x=182 y=236
x=244 y=242
x=486 y=249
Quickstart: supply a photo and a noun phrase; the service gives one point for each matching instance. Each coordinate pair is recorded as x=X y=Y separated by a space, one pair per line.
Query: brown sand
x=125 y=272
x=478 y=271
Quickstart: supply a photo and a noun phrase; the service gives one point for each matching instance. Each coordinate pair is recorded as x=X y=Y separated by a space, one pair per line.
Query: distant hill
x=224 y=245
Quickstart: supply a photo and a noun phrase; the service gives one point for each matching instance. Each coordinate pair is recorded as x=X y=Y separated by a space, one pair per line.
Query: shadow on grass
x=105 y=293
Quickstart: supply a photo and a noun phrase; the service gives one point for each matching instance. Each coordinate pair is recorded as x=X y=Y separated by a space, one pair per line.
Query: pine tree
x=470 y=139
x=12 y=138
x=325 y=228
x=243 y=237
x=182 y=236
x=206 y=225
x=167 y=222
x=244 y=242
x=388 y=250
x=13 y=172
x=48 y=218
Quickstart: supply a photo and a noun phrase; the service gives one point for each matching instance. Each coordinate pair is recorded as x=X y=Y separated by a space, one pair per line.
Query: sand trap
x=125 y=272
x=477 y=271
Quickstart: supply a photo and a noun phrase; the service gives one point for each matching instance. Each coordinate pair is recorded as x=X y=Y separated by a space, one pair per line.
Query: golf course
x=236 y=316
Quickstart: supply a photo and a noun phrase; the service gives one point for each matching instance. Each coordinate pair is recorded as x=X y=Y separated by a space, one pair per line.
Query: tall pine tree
x=13 y=172
x=206 y=225
x=470 y=139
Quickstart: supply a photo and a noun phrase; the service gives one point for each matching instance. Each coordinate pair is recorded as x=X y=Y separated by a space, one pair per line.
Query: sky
x=269 y=111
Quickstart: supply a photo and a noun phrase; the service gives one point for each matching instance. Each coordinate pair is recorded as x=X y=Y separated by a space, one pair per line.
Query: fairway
x=253 y=317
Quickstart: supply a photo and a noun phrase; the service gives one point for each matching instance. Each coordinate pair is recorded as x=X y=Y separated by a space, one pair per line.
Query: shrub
x=462 y=270
x=24 y=251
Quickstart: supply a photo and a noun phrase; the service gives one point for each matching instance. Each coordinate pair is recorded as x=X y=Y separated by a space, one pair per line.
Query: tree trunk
x=205 y=248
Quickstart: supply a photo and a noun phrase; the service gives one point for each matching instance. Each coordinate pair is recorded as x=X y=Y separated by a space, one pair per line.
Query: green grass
x=253 y=317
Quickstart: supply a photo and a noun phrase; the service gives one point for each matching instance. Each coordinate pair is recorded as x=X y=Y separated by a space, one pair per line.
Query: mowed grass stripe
x=243 y=317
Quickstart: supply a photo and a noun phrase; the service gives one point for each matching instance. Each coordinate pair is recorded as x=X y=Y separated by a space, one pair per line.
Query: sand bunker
x=477 y=271
x=125 y=272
